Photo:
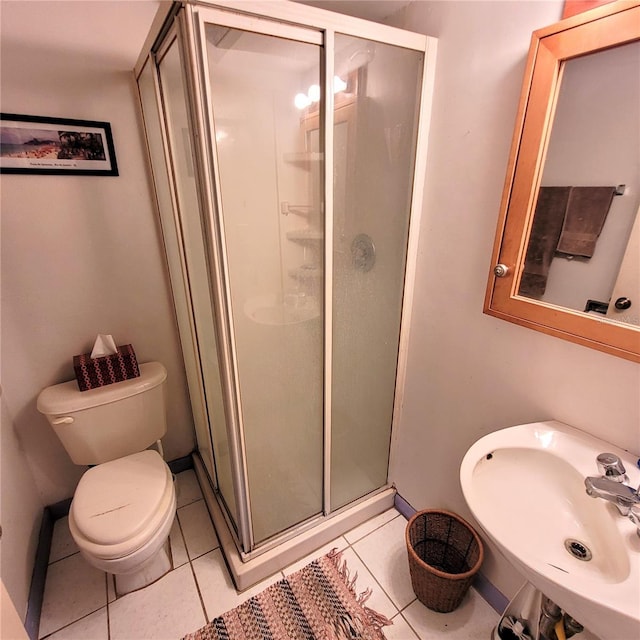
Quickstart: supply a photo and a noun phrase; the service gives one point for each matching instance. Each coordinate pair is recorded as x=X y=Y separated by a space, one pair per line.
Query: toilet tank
x=108 y=422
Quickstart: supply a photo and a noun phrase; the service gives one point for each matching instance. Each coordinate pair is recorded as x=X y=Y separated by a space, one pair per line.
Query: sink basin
x=525 y=487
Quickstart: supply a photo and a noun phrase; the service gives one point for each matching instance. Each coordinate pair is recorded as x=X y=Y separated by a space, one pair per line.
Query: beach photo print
x=35 y=144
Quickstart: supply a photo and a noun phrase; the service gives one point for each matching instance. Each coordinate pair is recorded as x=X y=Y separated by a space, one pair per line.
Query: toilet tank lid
x=66 y=397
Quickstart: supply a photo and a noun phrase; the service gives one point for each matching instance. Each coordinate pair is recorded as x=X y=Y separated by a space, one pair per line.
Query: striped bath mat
x=318 y=602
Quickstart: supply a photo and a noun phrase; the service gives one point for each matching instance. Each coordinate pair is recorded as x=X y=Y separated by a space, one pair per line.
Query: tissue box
x=97 y=372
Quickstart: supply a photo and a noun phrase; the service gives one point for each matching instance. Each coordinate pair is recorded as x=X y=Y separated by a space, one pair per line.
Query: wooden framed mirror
x=573 y=178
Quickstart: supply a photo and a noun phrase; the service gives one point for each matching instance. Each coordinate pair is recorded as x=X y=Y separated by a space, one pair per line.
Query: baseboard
x=50 y=514
x=60 y=509
x=39 y=575
x=490 y=593
x=481 y=583
x=403 y=506
x=181 y=464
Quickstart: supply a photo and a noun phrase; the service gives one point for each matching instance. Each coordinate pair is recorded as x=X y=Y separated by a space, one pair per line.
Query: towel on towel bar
x=587 y=211
x=543 y=240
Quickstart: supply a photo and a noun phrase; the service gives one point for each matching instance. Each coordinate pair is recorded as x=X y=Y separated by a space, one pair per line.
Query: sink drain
x=578 y=549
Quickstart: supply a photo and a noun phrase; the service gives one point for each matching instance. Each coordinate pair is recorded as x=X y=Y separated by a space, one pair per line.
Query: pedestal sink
x=525 y=487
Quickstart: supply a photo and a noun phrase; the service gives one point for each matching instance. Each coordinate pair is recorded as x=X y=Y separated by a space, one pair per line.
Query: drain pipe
x=550 y=617
x=571 y=626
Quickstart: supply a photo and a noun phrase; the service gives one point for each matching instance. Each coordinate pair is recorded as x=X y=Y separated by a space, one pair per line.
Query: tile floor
x=80 y=602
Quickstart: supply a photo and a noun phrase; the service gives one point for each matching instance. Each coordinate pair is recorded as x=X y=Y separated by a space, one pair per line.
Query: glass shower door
x=374 y=156
x=271 y=219
x=181 y=221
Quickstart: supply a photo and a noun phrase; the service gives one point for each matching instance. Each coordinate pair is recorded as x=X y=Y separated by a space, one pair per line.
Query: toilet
x=125 y=504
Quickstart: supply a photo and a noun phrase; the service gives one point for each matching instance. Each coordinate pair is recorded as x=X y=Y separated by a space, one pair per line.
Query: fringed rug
x=318 y=602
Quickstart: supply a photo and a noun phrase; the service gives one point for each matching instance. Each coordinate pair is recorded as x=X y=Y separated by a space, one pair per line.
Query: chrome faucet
x=611 y=486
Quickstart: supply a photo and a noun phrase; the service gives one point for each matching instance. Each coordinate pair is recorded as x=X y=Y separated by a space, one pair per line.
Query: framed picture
x=56 y=146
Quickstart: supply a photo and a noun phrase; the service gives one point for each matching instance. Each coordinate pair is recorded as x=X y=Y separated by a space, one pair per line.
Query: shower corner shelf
x=306 y=272
x=306 y=211
x=304 y=159
x=305 y=235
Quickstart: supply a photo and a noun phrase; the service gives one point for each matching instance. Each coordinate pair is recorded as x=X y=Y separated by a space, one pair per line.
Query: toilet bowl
x=125 y=503
x=120 y=518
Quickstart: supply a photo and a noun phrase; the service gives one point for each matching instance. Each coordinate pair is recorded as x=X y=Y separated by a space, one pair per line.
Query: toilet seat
x=119 y=506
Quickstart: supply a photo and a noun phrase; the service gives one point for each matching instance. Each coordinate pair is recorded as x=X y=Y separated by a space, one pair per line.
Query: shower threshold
x=248 y=571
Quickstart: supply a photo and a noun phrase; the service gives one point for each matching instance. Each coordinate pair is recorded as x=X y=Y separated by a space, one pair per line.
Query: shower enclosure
x=288 y=148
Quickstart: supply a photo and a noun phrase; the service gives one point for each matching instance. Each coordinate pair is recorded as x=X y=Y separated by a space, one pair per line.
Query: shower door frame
x=306 y=24
x=171 y=34
x=196 y=19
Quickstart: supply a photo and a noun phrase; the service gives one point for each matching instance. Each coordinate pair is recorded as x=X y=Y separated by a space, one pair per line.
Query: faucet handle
x=634 y=516
x=610 y=466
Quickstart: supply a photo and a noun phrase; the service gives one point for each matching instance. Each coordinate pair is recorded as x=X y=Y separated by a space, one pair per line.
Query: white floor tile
x=178 y=549
x=93 y=627
x=400 y=630
x=187 y=488
x=217 y=590
x=76 y=593
x=199 y=534
x=371 y=525
x=378 y=601
x=73 y=589
x=473 y=619
x=165 y=610
x=339 y=543
x=384 y=552
x=62 y=544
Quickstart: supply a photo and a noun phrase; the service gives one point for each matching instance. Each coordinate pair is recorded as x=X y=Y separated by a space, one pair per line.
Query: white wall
x=470 y=374
x=80 y=256
x=20 y=513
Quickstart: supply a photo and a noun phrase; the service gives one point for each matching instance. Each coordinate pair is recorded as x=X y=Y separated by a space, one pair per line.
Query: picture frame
x=56 y=146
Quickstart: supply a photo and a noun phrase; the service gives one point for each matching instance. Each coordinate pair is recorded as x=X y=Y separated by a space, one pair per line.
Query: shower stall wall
x=288 y=149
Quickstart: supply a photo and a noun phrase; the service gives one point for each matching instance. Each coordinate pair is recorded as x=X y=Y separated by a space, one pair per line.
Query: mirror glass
x=590 y=191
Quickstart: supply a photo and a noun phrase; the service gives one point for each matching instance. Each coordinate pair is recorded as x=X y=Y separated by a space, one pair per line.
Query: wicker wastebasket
x=445 y=553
